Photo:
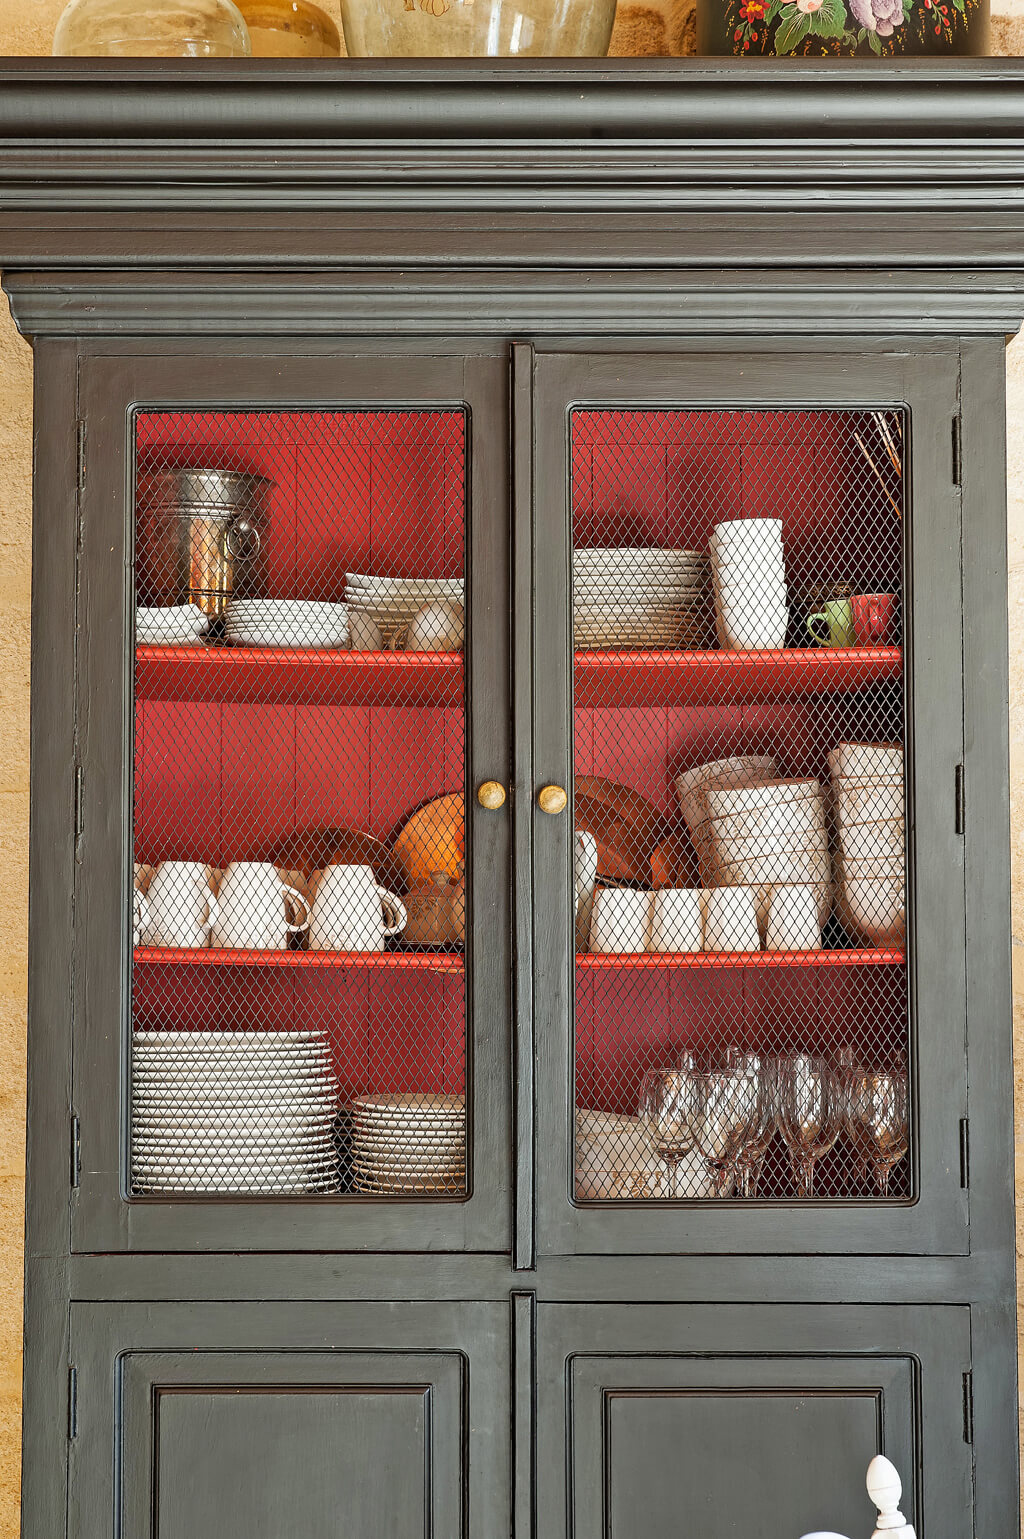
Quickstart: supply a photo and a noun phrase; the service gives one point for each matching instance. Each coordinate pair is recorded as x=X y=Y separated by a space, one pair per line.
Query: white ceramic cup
x=677 y=921
x=621 y=921
x=253 y=908
x=178 y=908
x=584 y=879
x=730 y=920
x=351 y=912
x=793 y=919
x=364 y=634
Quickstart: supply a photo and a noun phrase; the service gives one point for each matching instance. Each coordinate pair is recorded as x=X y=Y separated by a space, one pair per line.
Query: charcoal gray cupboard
x=515 y=246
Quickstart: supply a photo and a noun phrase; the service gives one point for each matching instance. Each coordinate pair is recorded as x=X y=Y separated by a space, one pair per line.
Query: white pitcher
x=351 y=912
x=253 y=908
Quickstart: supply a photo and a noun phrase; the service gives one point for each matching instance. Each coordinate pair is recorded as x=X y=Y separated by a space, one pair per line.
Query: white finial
x=885 y=1489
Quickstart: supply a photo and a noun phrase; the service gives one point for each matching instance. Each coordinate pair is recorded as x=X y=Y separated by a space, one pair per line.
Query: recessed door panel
x=729 y=1422
x=253 y=1421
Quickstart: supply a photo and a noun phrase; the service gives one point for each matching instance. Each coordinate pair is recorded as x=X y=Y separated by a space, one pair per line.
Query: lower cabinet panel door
x=729 y=1422
x=221 y=1421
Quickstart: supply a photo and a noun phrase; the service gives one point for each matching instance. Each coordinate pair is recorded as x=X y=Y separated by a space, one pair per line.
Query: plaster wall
x=643 y=27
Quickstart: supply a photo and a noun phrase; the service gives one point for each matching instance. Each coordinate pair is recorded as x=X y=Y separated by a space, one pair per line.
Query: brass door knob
x=552 y=799
x=491 y=795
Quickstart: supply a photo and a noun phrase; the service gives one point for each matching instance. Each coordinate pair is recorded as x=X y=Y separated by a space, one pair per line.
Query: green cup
x=832 y=626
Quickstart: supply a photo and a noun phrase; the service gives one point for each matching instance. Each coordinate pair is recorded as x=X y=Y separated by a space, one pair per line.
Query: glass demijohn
x=167 y=29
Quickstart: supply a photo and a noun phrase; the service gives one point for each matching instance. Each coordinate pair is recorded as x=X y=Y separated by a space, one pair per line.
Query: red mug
x=872 y=617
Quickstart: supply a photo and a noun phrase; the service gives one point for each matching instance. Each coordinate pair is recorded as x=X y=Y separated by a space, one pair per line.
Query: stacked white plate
x=749 y=573
x=629 y=596
x=392 y=603
x=867 y=802
x=293 y=623
x=175 y=625
x=409 y=1144
x=233 y=1111
x=614 y=1160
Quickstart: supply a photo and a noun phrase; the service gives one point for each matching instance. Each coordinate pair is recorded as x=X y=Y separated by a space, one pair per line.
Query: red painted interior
x=238 y=748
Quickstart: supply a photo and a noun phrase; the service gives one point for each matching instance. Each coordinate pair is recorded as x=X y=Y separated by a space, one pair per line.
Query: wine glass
x=878 y=1121
x=729 y=1116
x=670 y=1105
x=809 y=1107
x=763 y=1071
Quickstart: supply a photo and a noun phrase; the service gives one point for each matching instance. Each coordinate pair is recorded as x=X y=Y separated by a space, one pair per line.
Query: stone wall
x=644 y=26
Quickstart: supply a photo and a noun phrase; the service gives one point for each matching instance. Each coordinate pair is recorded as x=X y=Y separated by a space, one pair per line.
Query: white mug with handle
x=178 y=908
x=253 y=908
x=352 y=912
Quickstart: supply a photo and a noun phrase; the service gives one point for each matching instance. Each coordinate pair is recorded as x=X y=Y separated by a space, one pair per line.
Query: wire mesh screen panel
x=741 y=1010
x=299 y=992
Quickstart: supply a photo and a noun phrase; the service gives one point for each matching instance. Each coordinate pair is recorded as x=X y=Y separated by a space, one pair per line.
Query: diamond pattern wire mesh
x=299 y=1015
x=741 y=1019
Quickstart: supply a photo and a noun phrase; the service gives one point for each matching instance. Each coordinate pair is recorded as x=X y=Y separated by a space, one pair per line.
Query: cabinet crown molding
x=584 y=165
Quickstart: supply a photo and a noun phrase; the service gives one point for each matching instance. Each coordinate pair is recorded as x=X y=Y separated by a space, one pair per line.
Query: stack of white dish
x=293 y=623
x=749 y=573
x=409 y=1143
x=614 y=1160
x=391 y=604
x=637 y=597
x=166 y=627
x=752 y=829
x=233 y=1111
x=867 y=801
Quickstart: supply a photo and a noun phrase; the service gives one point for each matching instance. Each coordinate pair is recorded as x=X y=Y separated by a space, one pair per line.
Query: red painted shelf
x=281 y=676
x=452 y=962
x=409 y=961
x=714 y=960
x=275 y=675
x=715 y=678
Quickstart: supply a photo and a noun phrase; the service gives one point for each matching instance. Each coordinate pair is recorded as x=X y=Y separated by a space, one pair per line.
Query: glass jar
x=165 y=29
x=290 y=29
x=477 y=28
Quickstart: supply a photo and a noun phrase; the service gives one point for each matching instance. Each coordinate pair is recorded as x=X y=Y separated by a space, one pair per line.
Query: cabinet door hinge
x=969 y=1406
x=960 y=794
x=72 y=1403
x=79 y=807
x=957 y=451
x=80 y=455
x=76 y=1150
x=965 y=1153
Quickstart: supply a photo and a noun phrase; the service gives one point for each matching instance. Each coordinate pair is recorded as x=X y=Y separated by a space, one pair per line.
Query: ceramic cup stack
x=409 y=1144
x=867 y=802
x=233 y=1111
x=292 y=623
x=383 y=609
x=176 y=625
x=614 y=1159
x=749 y=573
x=626 y=596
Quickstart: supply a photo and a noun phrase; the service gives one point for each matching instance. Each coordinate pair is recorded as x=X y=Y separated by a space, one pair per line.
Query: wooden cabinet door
x=251 y=1420
x=708 y=526
x=733 y=1421
x=268 y=745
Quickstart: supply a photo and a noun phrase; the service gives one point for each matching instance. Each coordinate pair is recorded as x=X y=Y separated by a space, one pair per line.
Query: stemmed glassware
x=671 y=1105
x=729 y=1116
x=809 y=1112
x=762 y=1071
x=877 y=1120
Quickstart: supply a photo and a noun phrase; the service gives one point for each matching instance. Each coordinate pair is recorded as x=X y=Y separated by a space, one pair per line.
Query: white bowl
x=864 y=761
x=873 y=909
